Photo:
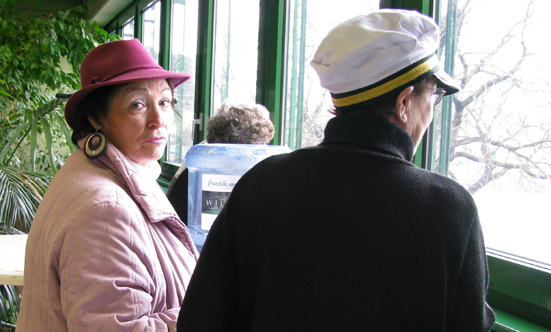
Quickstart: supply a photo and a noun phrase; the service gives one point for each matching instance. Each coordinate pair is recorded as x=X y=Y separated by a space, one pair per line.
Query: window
x=128 y=30
x=152 y=29
x=493 y=137
x=307 y=104
x=498 y=123
x=498 y=138
x=235 y=51
x=183 y=48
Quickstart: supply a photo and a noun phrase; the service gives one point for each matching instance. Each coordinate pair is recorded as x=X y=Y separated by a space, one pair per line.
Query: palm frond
x=42 y=122
x=66 y=132
x=20 y=194
x=49 y=143
x=9 y=307
x=12 y=135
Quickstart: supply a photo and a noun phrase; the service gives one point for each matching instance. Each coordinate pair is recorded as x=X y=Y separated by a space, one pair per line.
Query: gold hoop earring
x=95 y=146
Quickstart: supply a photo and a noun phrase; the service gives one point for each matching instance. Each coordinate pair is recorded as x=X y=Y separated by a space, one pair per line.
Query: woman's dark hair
x=95 y=106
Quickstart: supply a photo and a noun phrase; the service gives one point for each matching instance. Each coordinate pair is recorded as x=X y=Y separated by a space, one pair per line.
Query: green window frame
x=520 y=291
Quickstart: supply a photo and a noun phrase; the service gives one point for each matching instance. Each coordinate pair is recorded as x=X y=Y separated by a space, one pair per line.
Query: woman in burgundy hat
x=106 y=251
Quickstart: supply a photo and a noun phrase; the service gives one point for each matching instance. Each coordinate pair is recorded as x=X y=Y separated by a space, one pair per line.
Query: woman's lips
x=156 y=140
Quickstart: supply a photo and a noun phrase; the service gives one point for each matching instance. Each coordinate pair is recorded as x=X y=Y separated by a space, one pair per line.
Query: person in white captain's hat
x=350 y=235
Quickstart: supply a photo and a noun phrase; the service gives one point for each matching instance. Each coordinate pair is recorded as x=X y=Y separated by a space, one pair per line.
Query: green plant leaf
x=34 y=134
x=5 y=93
x=9 y=307
x=65 y=130
x=49 y=144
x=12 y=136
x=20 y=193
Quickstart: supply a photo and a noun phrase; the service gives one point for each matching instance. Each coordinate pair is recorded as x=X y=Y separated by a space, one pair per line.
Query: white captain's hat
x=374 y=56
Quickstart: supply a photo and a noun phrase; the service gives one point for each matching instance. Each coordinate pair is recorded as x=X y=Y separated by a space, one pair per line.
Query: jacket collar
x=143 y=187
x=370 y=133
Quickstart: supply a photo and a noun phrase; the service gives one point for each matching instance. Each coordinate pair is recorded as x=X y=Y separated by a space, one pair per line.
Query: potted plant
x=40 y=56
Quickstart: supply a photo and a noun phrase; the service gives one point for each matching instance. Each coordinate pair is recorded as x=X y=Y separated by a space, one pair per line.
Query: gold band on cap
x=380 y=90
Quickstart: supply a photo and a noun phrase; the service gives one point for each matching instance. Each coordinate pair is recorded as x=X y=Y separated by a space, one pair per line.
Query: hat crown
x=101 y=66
x=114 y=63
x=368 y=48
x=372 y=56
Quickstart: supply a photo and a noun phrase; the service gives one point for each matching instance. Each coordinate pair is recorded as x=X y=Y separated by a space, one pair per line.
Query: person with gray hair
x=237 y=123
x=240 y=123
x=350 y=235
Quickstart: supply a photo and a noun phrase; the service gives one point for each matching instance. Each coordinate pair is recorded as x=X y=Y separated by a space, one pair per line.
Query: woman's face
x=139 y=119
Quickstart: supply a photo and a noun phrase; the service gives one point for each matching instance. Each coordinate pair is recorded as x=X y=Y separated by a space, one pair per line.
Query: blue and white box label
x=216 y=190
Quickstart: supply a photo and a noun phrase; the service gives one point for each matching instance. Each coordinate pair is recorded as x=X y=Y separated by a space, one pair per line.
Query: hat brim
x=446 y=82
x=137 y=75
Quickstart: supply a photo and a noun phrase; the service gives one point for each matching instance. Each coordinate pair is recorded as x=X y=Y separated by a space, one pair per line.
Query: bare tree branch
x=485 y=129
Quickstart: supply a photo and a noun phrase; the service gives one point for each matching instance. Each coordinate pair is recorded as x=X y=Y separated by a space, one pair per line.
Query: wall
x=41 y=7
x=101 y=11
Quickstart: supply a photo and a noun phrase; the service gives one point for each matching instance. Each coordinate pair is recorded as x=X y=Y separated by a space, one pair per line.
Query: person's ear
x=403 y=103
x=94 y=124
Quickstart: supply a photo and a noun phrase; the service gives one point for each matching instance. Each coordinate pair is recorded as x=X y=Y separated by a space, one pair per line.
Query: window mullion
x=203 y=78
x=164 y=47
x=271 y=55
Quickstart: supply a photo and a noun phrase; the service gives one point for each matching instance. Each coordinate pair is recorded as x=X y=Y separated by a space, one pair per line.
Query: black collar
x=371 y=133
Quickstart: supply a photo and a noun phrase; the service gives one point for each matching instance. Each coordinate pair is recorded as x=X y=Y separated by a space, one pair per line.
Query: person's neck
x=151 y=171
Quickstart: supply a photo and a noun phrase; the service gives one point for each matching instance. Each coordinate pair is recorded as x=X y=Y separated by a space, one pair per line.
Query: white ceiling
x=103 y=11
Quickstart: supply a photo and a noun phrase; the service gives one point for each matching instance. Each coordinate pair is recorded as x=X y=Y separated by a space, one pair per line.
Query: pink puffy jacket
x=106 y=252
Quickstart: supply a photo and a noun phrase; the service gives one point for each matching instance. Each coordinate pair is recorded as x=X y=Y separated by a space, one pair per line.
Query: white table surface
x=12 y=259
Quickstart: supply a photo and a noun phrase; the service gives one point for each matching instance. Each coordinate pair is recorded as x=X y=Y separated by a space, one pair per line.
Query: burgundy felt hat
x=117 y=62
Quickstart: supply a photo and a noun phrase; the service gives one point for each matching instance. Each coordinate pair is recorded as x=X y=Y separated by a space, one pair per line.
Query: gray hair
x=240 y=123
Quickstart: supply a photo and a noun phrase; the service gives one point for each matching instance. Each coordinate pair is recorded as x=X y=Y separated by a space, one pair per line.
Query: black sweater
x=345 y=236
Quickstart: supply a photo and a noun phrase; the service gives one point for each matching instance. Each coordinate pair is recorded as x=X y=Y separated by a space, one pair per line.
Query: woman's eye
x=165 y=103
x=137 y=105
